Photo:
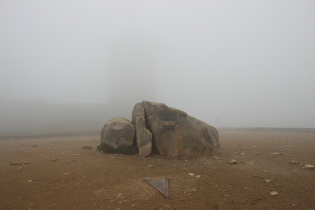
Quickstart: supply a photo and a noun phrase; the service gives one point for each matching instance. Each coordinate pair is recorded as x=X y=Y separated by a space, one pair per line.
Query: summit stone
x=175 y=133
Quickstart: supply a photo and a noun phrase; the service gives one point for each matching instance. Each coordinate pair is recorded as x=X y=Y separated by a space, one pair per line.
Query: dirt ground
x=57 y=173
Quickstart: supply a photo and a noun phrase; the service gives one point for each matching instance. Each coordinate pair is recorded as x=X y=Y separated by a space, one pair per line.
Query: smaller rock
x=233 y=162
x=216 y=158
x=198 y=176
x=29 y=181
x=117 y=136
x=86 y=147
x=268 y=180
x=274 y=193
x=191 y=174
x=309 y=166
x=148 y=166
x=294 y=162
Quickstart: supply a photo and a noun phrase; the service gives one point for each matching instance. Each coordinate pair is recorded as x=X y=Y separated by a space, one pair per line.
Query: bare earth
x=56 y=173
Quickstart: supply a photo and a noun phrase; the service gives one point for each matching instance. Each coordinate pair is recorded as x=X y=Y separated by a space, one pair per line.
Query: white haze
x=228 y=63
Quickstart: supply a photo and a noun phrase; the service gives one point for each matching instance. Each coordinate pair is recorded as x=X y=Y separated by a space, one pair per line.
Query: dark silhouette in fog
x=249 y=64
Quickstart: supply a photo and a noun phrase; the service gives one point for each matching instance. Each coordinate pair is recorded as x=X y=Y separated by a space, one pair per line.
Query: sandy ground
x=56 y=173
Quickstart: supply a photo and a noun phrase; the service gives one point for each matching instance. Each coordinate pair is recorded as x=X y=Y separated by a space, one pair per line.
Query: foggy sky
x=230 y=63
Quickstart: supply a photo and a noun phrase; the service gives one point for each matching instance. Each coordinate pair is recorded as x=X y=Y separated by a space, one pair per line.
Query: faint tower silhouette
x=131 y=78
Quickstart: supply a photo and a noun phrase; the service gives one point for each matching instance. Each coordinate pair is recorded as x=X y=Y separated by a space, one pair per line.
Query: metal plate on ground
x=161 y=185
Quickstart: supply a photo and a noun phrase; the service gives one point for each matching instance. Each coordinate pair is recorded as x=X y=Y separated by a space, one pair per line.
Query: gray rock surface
x=175 y=133
x=143 y=135
x=166 y=130
x=117 y=135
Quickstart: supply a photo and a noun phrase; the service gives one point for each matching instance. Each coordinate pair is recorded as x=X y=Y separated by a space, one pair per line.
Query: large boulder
x=117 y=136
x=177 y=134
x=143 y=135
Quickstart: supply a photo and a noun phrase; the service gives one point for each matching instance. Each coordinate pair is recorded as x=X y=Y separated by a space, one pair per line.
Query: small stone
x=233 y=162
x=216 y=158
x=191 y=174
x=86 y=147
x=198 y=176
x=268 y=180
x=286 y=146
x=66 y=173
x=276 y=153
x=148 y=166
x=294 y=162
x=29 y=181
x=274 y=193
x=309 y=166
x=14 y=164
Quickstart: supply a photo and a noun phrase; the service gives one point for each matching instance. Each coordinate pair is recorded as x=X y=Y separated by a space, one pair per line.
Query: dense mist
x=73 y=65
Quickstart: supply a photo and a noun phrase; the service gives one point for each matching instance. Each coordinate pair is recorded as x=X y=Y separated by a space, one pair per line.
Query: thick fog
x=228 y=63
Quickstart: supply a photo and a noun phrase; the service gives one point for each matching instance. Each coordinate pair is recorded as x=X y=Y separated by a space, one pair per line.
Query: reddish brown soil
x=56 y=173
